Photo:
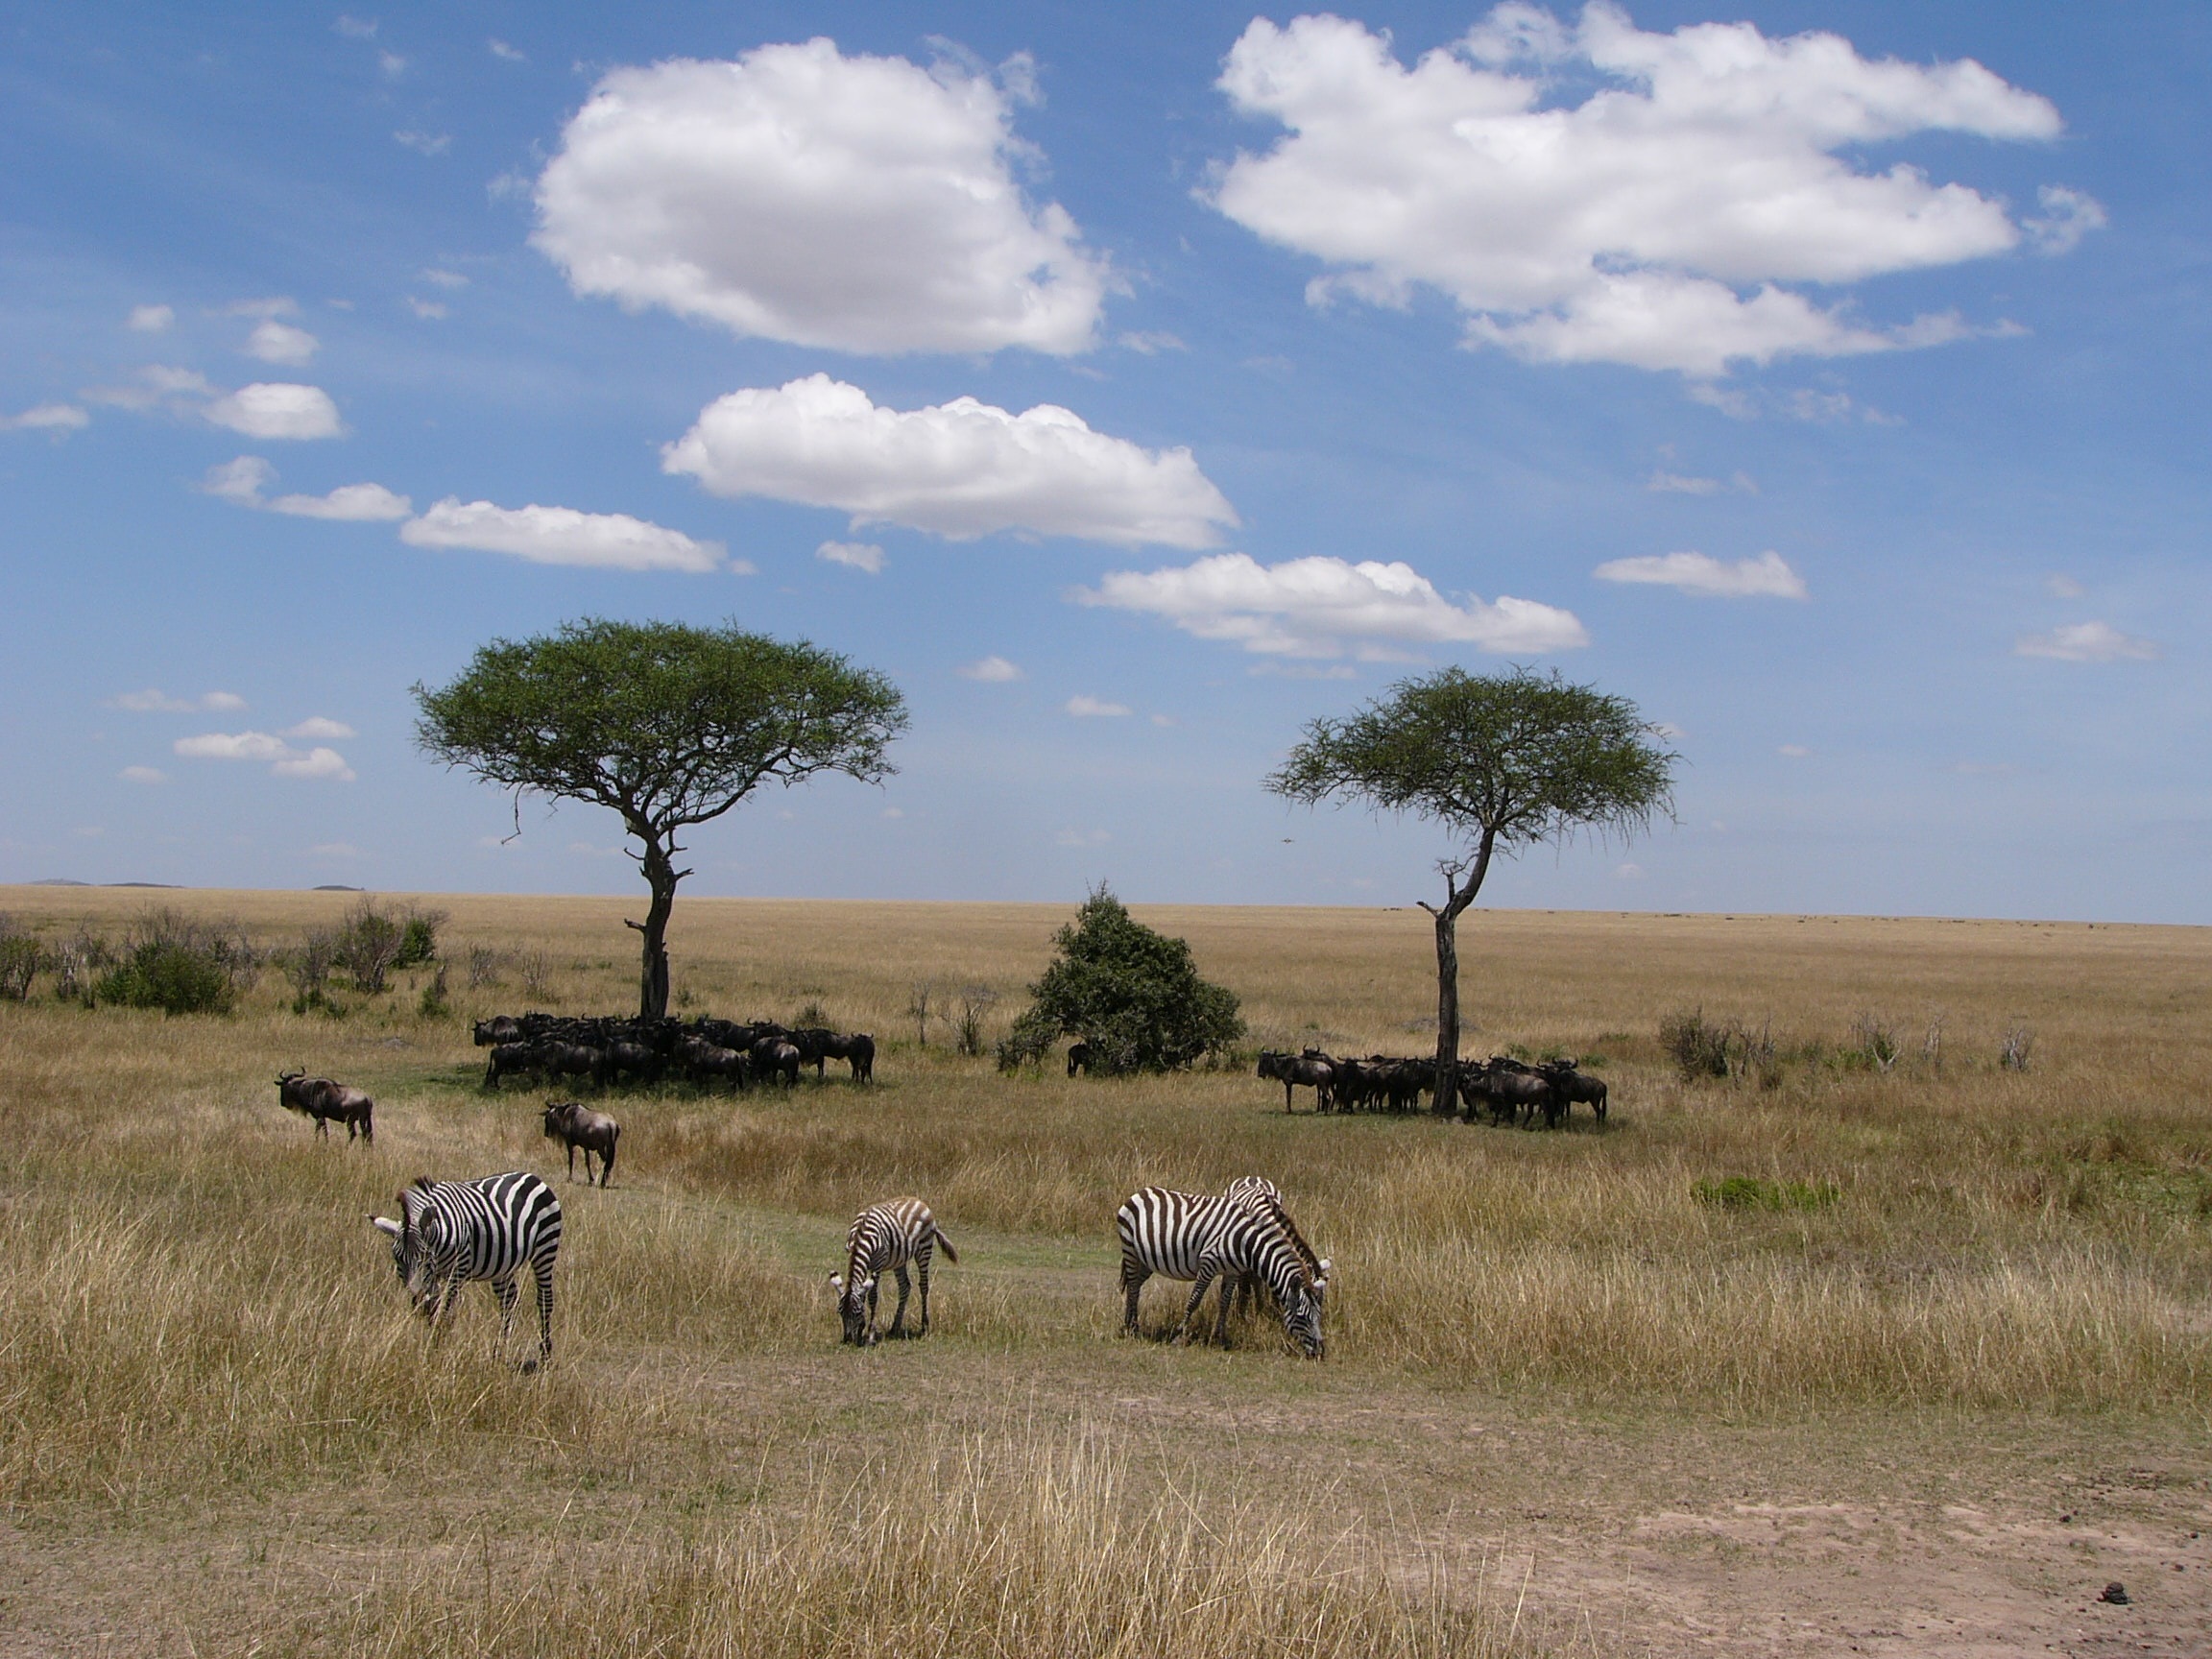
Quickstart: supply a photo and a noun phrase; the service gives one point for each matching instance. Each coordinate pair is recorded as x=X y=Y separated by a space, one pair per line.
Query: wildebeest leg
x=1133 y=1276
x=906 y=1289
x=1285 y=1097
x=605 y=1167
x=322 y=1127
x=572 y=1161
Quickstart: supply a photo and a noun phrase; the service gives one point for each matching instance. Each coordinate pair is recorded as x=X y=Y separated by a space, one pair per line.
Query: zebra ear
x=837 y=1280
x=868 y=1283
x=1324 y=1270
x=385 y=1224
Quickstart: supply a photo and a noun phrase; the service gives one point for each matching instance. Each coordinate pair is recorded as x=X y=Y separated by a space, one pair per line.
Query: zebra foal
x=886 y=1236
x=450 y=1231
x=1202 y=1237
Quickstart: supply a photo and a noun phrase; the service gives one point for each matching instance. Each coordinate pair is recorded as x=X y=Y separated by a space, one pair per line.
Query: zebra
x=886 y=1234
x=452 y=1230
x=1201 y=1237
x=1261 y=1193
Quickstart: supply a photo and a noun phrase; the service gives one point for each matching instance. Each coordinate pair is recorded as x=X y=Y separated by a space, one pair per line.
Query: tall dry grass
x=1022 y=1541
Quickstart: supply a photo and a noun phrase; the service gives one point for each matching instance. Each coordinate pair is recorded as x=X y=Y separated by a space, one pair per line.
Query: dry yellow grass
x=194 y=1310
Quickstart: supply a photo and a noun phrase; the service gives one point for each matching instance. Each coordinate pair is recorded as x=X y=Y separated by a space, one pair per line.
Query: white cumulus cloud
x=1592 y=192
x=1766 y=577
x=859 y=555
x=1324 y=607
x=860 y=204
x=1085 y=707
x=282 y=759
x=2086 y=643
x=991 y=670
x=560 y=535
x=241 y=482
x=277 y=409
x=274 y=342
x=320 y=728
x=961 y=470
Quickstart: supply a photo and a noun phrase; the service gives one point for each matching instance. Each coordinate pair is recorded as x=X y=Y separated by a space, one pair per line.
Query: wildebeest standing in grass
x=1291 y=1071
x=774 y=1057
x=576 y=1123
x=327 y=1103
x=1569 y=1085
x=858 y=1049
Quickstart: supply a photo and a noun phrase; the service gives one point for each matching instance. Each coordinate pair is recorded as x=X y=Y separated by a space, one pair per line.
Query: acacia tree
x=663 y=724
x=1502 y=761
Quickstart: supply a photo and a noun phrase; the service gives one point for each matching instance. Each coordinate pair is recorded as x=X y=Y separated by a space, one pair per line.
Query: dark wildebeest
x=1078 y=1058
x=1570 y=1085
x=704 y=1061
x=328 y=1103
x=1310 y=1069
x=511 y=1060
x=815 y=1043
x=639 y=1062
x=1512 y=1089
x=499 y=1029
x=576 y=1123
x=773 y=1057
x=858 y=1049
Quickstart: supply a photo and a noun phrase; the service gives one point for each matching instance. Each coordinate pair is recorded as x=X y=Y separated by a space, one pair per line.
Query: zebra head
x=853 y=1309
x=414 y=1249
x=1302 y=1318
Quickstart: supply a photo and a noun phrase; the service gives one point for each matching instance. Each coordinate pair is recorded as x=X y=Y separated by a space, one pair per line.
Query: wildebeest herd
x=550 y=1048
x=1510 y=1087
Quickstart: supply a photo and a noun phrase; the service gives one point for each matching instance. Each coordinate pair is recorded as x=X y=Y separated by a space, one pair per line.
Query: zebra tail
x=943 y=1244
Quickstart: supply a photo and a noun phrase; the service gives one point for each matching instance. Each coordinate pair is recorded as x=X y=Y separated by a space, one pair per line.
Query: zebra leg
x=1133 y=1276
x=1190 y=1310
x=899 y=1313
x=445 y=1307
x=921 y=1272
x=504 y=1289
x=545 y=1273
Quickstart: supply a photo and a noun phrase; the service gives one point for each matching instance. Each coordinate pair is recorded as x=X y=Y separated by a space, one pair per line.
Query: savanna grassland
x=1874 y=1345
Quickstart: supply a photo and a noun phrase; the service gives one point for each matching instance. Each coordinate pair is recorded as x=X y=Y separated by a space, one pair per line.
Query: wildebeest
x=1305 y=1069
x=636 y=1060
x=1511 y=1088
x=1570 y=1085
x=327 y=1103
x=577 y=1124
x=704 y=1061
x=858 y=1049
x=1079 y=1058
x=773 y=1056
x=512 y=1060
x=499 y=1029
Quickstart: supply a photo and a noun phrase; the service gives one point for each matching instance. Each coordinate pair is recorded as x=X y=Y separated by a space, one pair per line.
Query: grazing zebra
x=887 y=1235
x=1200 y=1238
x=452 y=1230
x=1261 y=1193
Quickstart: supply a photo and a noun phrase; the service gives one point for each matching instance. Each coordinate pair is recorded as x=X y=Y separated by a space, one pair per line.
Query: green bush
x=173 y=975
x=419 y=939
x=1133 y=994
x=21 y=956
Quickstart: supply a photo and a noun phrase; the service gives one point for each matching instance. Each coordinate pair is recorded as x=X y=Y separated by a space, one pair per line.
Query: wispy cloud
x=991 y=670
x=561 y=536
x=1766 y=577
x=47 y=418
x=2086 y=643
x=150 y=319
x=153 y=701
x=1085 y=707
x=423 y=143
x=856 y=555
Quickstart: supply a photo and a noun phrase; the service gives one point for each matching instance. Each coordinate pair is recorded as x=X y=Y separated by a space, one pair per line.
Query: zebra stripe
x=451 y=1232
x=1201 y=1237
x=887 y=1236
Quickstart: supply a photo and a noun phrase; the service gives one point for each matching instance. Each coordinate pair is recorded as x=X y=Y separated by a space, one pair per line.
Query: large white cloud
x=862 y=203
x=277 y=409
x=1647 y=223
x=1322 y=607
x=1766 y=577
x=961 y=469
x=560 y=535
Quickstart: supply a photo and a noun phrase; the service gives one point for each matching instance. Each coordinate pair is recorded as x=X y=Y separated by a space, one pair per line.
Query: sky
x=1131 y=385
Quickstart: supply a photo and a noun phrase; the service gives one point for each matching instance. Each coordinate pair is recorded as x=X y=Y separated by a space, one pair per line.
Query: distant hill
x=334 y=887
x=168 y=886
x=60 y=882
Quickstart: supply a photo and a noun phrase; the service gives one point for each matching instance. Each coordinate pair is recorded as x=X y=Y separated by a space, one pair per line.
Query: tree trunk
x=660 y=878
x=1457 y=896
x=1447 y=1010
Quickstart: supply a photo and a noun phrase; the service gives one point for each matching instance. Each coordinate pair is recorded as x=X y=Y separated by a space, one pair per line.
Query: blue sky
x=1131 y=385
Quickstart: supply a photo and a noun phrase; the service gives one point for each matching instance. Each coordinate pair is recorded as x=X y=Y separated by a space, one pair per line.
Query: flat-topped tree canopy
x=1503 y=760
x=665 y=725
